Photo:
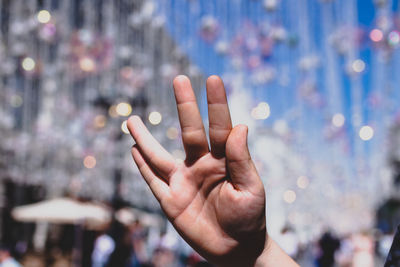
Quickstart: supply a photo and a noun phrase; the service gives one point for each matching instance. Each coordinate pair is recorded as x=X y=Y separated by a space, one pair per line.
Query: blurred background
x=316 y=81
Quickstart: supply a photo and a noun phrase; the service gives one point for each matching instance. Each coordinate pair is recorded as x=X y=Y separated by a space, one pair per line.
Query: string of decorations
x=315 y=84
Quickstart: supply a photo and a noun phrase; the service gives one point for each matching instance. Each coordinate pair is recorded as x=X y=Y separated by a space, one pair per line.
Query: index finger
x=158 y=158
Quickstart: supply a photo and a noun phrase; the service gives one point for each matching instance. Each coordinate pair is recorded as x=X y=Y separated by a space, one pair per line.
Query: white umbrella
x=64 y=210
x=128 y=216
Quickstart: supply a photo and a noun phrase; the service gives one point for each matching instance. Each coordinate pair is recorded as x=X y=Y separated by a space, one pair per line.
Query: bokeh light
x=172 y=133
x=123 y=109
x=358 y=65
x=124 y=127
x=270 y=5
x=394 y=38
x=376 y=35
x=28 y=64
x=87 y=64
x=289 y=196
x=100 y=121
x=366 y=133
x=43 y=16
x=89 y=162
x=112 y=111
x=16 y=101
x=261 y=112
x=155 y=117
x=303 y=182
x=338 y=120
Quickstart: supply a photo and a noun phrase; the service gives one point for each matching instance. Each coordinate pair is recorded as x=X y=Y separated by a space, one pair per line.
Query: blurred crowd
x=138 y=245
x=131 y=244
x=362 y=249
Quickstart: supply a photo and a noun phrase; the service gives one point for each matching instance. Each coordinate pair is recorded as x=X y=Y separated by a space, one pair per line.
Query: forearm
x=273 y=256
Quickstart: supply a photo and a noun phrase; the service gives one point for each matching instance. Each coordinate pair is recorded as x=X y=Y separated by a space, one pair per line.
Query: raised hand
x=215 y=198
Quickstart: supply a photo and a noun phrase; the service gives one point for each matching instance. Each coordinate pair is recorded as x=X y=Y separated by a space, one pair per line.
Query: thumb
x=241 y=168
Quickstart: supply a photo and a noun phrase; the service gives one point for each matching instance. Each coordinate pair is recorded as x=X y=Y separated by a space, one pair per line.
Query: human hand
x=215 y=199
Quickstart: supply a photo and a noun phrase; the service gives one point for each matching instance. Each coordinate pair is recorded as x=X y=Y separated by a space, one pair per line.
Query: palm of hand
x=215 y=200
x=208 y=208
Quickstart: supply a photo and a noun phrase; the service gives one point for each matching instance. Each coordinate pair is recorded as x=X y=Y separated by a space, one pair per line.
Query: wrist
x=273 y=255
x=245 y=252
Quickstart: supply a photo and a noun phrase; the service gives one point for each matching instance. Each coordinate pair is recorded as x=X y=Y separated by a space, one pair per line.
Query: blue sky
x=306 y=20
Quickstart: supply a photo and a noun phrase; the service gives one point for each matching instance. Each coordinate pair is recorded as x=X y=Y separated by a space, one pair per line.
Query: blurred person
x=122 y=253
x=104 y=245
x=88 y=239
x=166 y=252
x=328 y=245
x=344 y=256
x=215 y=198
x=363 y=250
x=164 y=257
x=139 y=250
x=6 y=259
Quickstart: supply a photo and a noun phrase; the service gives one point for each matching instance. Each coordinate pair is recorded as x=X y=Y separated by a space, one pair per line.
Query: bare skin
x=215 y=199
